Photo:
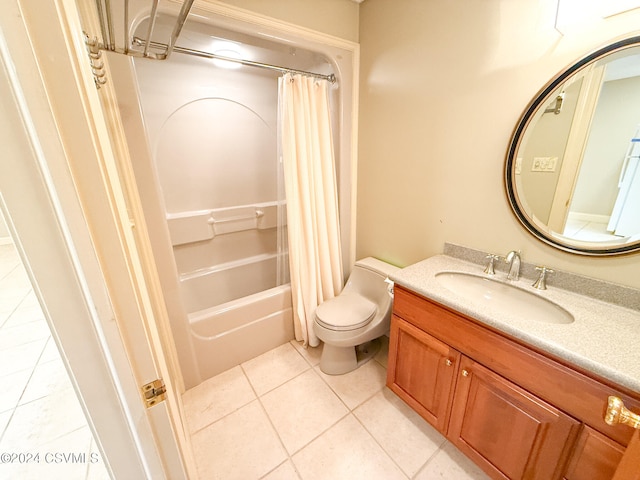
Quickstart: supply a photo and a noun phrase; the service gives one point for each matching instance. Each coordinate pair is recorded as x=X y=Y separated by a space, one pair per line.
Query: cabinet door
x=629 y=466
x=595 y=457
x=510 y=433
x=421 y=371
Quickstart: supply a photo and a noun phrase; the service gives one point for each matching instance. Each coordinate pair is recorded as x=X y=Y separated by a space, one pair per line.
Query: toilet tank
x=378 y=266
x=368 y=279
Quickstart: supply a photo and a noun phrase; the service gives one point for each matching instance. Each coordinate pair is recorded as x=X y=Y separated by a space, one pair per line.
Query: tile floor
x=588 y=231
x=39 y=410
x=278 y=416
x=274 y=417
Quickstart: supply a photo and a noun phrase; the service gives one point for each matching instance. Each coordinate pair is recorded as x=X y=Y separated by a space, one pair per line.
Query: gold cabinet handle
x=448 y=362
x=617 y=413
x=465 y=373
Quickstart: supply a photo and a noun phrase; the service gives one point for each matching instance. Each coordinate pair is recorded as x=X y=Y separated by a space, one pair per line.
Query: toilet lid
x=346 y=312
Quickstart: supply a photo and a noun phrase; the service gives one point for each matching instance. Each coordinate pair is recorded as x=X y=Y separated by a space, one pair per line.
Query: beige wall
x=333 y=17
x=442 y=86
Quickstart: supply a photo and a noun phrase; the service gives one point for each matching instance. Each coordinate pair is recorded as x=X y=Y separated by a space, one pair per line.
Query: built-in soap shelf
x=197 y=226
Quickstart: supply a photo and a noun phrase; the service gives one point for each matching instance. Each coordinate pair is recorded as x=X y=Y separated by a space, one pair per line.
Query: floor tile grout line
x=4 y=430
x=52 y=440
x=350 y=411
x=17 y=306
x=22 y=345
x=34 y=340
x=24 y=389
x=300 y=353
x=15 y=267
x=259 y=398
x=338 y=395
x=373 y=437
x=275 y=430
x=431 y=457
x=253 y=390
x=18 y=303
x=266 y=413
x=273 y=388
x=88 y=450
x=255 y=397
x=288 y=459
x=331 y=388
x=192 y=433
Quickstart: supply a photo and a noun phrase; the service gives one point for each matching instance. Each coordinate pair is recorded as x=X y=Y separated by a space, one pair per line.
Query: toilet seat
x=346 y=312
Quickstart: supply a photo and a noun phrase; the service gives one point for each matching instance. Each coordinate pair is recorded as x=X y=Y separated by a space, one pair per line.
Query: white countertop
x=604 y=338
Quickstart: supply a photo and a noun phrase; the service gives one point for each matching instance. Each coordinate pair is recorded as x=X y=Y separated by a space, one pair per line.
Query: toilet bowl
x=351 y=324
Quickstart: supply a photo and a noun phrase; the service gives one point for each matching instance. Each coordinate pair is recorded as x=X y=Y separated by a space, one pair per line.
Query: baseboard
x=589 y=217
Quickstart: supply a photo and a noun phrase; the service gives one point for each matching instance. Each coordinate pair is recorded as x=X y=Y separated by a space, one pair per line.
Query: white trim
x=33 y=210
x=95 y=263
x=574 y=151
x=98 y=155
x=589 y=217
x=258 y=20
x=65 y=234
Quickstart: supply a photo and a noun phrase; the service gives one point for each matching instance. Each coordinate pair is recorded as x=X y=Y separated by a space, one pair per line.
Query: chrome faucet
x=513 y=259
x=541 y=283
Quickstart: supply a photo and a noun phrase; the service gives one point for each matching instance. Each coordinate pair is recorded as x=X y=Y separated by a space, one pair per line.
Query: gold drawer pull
x=617 y=413
x=465 y=373
x=448 y=362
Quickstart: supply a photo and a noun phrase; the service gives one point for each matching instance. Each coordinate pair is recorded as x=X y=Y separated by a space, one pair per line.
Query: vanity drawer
x=581 y=396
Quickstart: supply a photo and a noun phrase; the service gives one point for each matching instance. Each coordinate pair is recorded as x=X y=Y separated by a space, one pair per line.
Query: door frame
x=82 y=174
x=60 y=183
x=576 y=145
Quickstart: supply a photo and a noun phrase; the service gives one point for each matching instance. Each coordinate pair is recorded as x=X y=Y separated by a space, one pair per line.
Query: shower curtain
x=306 y=152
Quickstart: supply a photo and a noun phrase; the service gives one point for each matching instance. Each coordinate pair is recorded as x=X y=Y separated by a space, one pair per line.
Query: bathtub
x=234 y=332
x=224 y=283
x=237 y=301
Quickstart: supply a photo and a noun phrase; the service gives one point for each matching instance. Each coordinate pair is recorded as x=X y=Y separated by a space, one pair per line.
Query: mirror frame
x=540 y=100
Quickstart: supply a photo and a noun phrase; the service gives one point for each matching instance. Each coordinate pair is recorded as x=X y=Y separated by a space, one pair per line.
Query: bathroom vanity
x=523 y=399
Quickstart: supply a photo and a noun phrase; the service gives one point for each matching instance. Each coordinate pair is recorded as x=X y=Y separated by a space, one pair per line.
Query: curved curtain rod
x=198 y=53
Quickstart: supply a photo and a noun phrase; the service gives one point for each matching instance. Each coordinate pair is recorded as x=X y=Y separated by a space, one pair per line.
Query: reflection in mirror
x=573 y=165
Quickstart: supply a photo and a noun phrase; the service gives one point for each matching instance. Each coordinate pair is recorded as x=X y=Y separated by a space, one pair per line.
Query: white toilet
x=351 y=324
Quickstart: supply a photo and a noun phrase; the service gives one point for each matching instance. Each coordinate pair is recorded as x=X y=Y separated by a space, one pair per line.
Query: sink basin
x=503 y=298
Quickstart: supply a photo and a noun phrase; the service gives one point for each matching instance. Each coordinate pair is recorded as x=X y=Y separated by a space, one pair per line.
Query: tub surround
x=602 y=339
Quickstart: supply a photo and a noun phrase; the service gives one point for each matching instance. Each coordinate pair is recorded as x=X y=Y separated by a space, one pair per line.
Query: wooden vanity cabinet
x=424 y=373
x=516 y=413
x=504 y=429
x=510 y=433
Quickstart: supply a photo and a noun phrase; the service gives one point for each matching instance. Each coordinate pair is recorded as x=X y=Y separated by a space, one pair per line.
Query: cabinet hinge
x=154 y=392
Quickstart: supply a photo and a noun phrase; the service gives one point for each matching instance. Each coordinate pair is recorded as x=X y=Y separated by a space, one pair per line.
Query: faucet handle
x=541 y=282
x=490 y=267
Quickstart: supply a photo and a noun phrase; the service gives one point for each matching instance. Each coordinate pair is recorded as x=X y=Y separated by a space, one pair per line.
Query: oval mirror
x=572 y=172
